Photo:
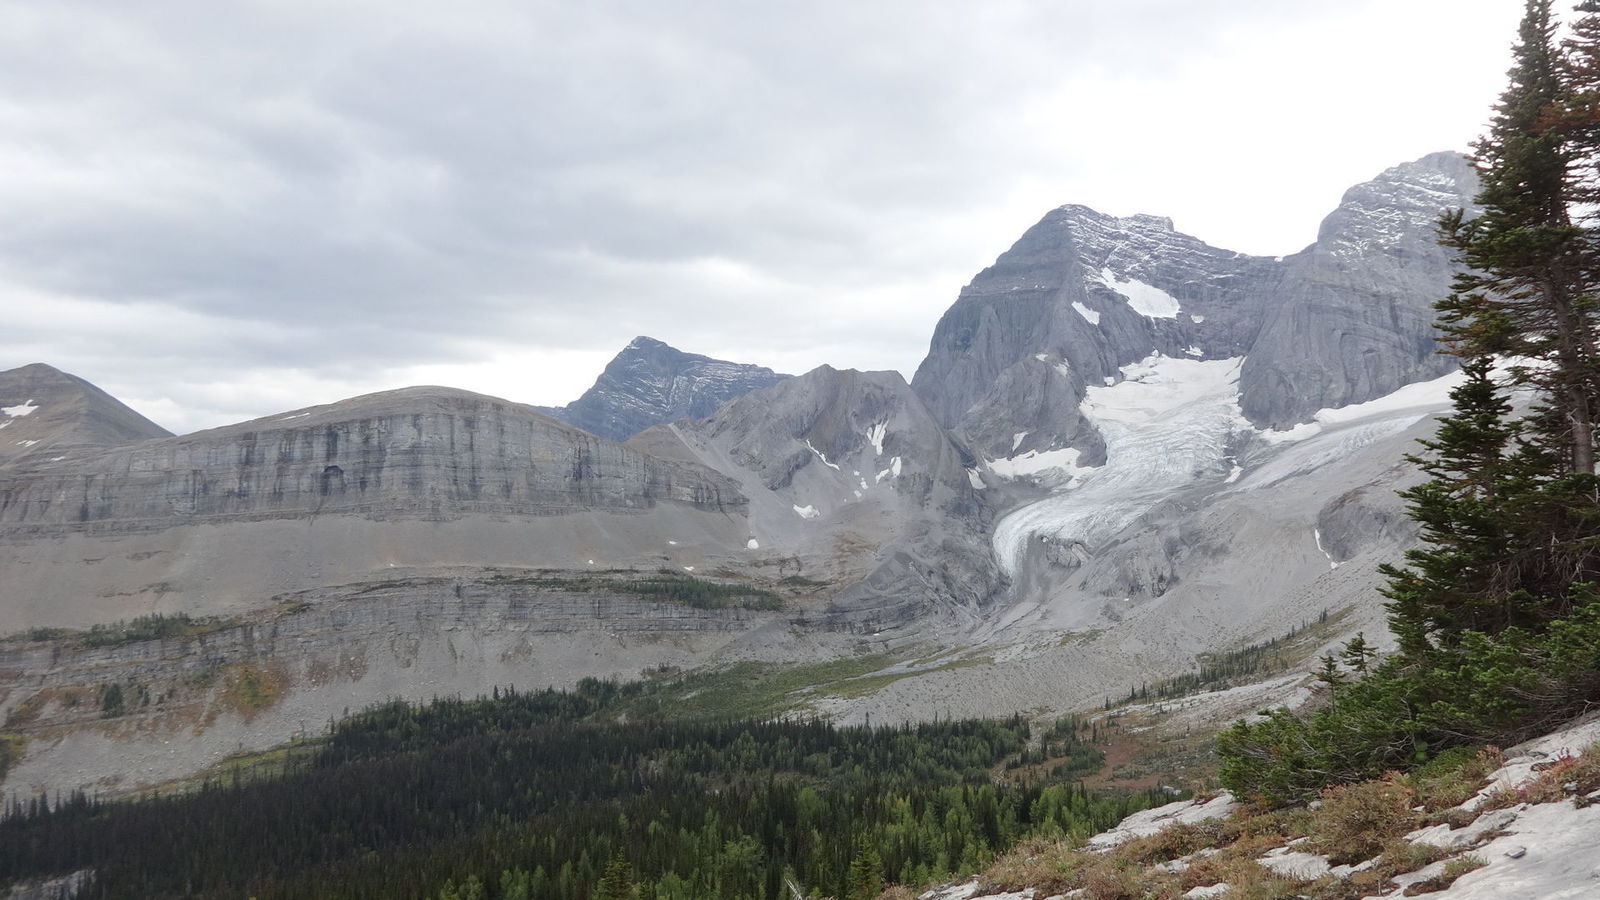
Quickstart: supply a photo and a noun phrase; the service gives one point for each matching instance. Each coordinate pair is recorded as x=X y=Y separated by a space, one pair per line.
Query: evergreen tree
x=865 y=880
x=617 y=882
x=1454 y=580
x=1528 y=294
x=1497 y=615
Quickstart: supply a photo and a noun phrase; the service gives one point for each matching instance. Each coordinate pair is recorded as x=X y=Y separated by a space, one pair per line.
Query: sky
x=223 y=211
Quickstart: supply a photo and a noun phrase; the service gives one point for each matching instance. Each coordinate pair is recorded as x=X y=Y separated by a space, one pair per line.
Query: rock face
x=1353 y=317
x=220 y=521
x=434 y=453
x=46 y=413
x=650 y=382
x=1080 y=295
x=1344 y=321
x=850 y=472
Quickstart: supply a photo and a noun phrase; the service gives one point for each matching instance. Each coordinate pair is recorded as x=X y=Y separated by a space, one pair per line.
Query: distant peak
x=1447 y=163
x=1162 y=222
x=1137 y=220
x=36 y=370
x=645 y=342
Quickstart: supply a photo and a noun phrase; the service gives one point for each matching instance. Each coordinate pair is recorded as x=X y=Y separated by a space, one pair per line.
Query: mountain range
x=1124 y=448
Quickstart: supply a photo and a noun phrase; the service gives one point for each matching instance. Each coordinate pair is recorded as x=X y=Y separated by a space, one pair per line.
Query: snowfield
x=1172 y=425
x=1167 y=426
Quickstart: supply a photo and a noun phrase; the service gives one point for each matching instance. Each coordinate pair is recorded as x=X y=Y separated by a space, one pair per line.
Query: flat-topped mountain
x=650 y=382
x=430 y=452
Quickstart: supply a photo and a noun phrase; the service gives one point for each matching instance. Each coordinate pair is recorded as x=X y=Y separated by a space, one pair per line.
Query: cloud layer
x=222 y=211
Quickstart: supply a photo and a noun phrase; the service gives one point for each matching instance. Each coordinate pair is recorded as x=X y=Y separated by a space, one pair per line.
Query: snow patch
x=875 y=436
x=1316 y=534
x=295 y=416
x=821 y=457
x=974 y=479
x=27 y=443
x=1087 y=313
x=892 y=472
x=688 y=568
x=1146 y=299
x=17 y=412
x=806 y=512
x=1036 y=461
x=1417 y=399
x=1016 y=440
x=752 y=544
x=1196 y=319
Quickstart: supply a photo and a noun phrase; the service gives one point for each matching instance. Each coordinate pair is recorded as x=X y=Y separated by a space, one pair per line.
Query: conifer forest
x=553 y=795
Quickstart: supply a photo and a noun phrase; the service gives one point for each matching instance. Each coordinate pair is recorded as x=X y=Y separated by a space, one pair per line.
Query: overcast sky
x=223 y=210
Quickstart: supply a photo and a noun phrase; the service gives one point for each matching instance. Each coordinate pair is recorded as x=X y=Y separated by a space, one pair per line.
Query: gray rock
x=46 y=413
x=433 y=453
x=1353 y=319
x=1067 y=294
x=650 y=382
x=849 y=472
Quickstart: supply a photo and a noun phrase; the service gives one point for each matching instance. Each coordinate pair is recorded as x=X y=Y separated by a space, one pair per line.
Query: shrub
x=1356 y=821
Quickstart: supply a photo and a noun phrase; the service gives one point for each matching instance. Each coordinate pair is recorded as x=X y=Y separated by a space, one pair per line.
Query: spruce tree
x=1452 y=583
x=1497 y=614
x=1528 y=292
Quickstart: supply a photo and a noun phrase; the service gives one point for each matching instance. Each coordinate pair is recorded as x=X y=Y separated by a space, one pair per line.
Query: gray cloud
x=221 y=211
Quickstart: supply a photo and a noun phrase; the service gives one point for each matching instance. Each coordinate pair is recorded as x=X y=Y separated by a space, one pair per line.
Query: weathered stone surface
x=322 y=652
x=850 y=472
x=649 y=383
x=426 y=452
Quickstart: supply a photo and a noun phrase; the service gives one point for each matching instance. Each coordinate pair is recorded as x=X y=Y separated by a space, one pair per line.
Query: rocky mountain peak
x=1352 y=316
x=45 y=410
x=1401 y=202
x=651 y=382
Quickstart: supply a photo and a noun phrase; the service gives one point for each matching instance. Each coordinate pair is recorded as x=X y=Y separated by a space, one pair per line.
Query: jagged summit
x=651 y=382
x=1082 y=294
x=1352 y=318
x=47 y=413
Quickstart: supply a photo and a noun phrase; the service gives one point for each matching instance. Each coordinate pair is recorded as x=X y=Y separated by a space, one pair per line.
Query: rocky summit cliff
x=1082 y=294
x=650 y=382
x=1352 y=317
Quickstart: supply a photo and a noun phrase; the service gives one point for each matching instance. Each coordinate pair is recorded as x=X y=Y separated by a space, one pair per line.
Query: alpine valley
x=1125 y=451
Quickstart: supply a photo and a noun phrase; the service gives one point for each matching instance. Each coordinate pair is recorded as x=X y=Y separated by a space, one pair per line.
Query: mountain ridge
x=650 y=382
